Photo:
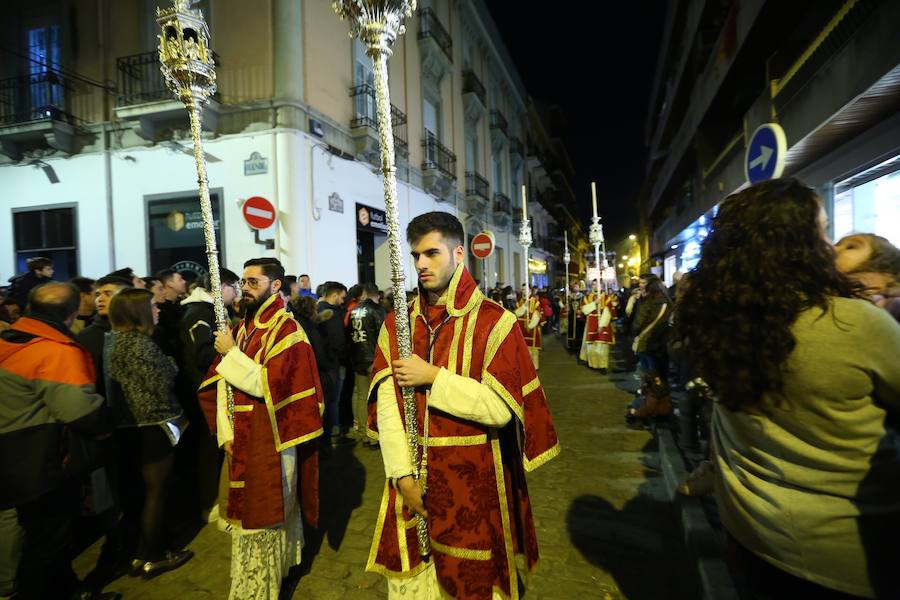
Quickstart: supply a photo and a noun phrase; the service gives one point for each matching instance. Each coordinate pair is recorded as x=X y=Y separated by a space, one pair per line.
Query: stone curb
x=702 y=542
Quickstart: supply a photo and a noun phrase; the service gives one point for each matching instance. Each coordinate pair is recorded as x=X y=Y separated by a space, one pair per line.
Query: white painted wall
x=302 y=175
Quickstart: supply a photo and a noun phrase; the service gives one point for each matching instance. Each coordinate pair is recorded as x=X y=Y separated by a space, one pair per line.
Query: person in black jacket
x=304 y=309
x=40 y=270
x=331 y=327
x=198 y=451
x=365 y=324
x=174 y=288
x=92 y=336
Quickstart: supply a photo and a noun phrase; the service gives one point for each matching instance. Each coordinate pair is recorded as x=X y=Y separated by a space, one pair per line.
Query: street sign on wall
x=259 y=212
x=482 y=245
x=765 y=154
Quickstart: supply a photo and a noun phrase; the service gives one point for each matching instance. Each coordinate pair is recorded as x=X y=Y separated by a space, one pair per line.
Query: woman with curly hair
x=807 y=377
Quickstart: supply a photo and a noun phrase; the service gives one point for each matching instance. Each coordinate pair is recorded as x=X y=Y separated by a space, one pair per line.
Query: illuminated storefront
x=869 y=202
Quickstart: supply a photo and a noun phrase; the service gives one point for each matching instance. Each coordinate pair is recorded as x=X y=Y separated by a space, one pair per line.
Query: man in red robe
x=268 y=361
x=599 y=309
x=483 y=422
x=531 y=316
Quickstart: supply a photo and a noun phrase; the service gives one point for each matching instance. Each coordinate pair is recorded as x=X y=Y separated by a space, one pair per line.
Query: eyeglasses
x=252 y=283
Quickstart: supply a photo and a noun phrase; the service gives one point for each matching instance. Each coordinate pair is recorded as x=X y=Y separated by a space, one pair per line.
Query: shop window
x=48 y=232
x=871 y=207
x=175 y=233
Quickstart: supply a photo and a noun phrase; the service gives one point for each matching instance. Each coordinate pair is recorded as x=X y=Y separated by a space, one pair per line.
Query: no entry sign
x=259 y=212
x=483 y=245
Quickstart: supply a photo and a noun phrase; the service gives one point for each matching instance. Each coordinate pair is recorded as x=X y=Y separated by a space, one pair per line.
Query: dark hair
x=271 y=267
x=149 y=281
x=656 y=289
x=305 y=306
x=113 y=280
x=126 y=273
x=330 y=287
x=132 y=310
x=56 y=307
x=37 y=263
x=164 y=275
x=370 y=289
x=285 y=286
x=303 y=275
x=444 y=223
x=226 y=277
x=290 y=279
x=85 y=285
x=355 y=291
x=320 y=289
x=764 y=262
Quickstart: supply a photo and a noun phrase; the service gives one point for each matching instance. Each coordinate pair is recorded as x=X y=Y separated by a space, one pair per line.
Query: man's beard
x=249 y=305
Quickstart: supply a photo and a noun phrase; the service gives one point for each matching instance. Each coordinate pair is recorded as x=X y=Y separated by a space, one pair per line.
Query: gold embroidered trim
x=504 y=515
x=454 y=345
x=401 y=533
x=379 y=528
x=298 y=337
x=259 y=324
x=455 y=440
x=540 y=459
x=294 y=397
x=531 y=386
x=236 y=485
x=497 y=336
x=504 y=393
x=469 y=341
x=283 y=445
x=209 y=381
x=463 y=553
x=474 y=299
x=243 y=408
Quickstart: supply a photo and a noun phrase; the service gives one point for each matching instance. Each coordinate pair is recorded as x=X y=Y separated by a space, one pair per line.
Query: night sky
x=596 y=60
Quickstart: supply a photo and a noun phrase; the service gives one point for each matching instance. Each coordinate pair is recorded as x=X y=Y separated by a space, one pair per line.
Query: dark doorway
x=365 y=256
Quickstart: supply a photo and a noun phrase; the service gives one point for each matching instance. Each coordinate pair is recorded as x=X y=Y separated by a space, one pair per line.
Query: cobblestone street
x=605 y=527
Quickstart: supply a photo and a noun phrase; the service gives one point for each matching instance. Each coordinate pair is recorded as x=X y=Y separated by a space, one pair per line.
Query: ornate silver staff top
x=188 y=68
x=377 y=23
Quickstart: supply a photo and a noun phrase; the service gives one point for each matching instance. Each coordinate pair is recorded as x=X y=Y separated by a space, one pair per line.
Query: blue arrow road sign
x=765 y=153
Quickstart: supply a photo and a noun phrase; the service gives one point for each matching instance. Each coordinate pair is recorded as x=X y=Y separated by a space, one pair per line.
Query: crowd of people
x=116 y=430
x=786 y=349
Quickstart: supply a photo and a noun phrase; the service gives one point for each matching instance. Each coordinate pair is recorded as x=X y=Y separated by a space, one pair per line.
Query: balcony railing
x=36 y=97
x=438 y=156
x=502 y=204
x=139 y=79
x=516 y=147
x=367 y=114
x=498 y=121
x=471 y=84
x=476 y=185
x=430 y=27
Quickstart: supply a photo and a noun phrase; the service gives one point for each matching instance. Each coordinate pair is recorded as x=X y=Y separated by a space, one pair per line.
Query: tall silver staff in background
x=377 y=23
x=525 y=241
x=187 y=65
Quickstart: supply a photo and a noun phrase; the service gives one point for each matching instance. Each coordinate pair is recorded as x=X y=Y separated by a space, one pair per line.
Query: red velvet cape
x=289 y=414
x=477 y=499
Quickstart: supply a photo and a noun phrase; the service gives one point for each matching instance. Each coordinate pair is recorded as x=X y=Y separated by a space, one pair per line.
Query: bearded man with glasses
x=268 y=361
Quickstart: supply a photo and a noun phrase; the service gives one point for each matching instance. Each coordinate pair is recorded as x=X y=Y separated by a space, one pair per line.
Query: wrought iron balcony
x=472 y=85
x=139 y=79
x=502 y=204
x=431 y=27
x=516 y=147
x=36 y=97
x=437 y=156
x=498 y=121
x=476 y=185
x=366 y=111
